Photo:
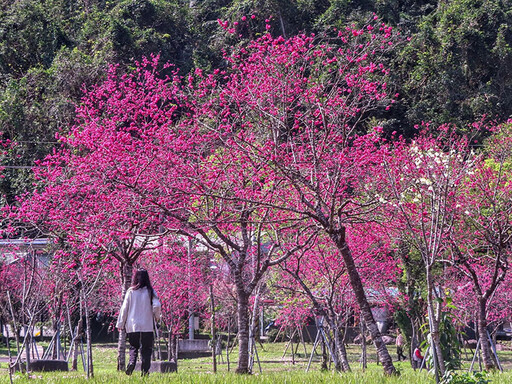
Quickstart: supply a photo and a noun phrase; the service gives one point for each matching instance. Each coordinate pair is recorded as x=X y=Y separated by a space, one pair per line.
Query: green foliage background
x=456 y=66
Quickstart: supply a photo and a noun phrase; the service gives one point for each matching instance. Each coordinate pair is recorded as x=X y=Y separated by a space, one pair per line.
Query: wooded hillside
x=453 y=66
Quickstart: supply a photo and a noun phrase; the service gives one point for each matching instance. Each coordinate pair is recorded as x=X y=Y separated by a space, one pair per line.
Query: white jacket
x=137 y=313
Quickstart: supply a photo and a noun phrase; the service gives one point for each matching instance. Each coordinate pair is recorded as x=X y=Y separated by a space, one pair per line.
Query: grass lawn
x=275 y=369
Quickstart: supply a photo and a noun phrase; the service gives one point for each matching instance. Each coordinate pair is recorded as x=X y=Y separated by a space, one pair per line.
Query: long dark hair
x=140 y=280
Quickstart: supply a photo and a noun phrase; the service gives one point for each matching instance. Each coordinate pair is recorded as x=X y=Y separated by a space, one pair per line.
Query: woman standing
x=140 y=307
x=400 y=345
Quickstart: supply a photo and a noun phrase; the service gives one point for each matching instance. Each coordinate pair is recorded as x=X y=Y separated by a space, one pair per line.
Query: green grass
x=275 y=369
x=313 y=377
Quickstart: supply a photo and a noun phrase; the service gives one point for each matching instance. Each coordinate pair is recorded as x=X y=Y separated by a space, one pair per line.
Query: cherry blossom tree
x=482 y=237
x=422 y=182
x=294 y=105
x=87 y=220
x=137 y=160
x=235 y=160
x=25 y=285
x=83 y=273
x=76 y=203
x=319 y=275
x=226 y=217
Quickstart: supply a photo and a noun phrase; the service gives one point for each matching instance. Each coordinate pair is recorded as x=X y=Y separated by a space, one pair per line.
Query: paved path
x=5 y=358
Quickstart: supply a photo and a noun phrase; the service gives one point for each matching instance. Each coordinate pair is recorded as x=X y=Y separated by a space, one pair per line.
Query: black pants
x=400 y=353
x=144 y=342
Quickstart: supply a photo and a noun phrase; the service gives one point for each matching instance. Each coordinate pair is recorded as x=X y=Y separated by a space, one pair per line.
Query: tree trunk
x=76 y=340
x=243 y=331
x=172 y=346
x=28 y=349
x=227 y=344
x=482 y=332
x=434 y=327
x=364 y=356
x=15 y=328
x=126 y=278
x=364 y=306
x=410 y=291
x=341 y=351
x=90 y=368
x=414 y=341
x=252 y=328
x=214 y=343
x=325 y=357
x=341 y=360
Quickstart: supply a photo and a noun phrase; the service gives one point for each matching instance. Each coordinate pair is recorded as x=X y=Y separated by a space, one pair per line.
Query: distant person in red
x=140 y=307
x=417 y=358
